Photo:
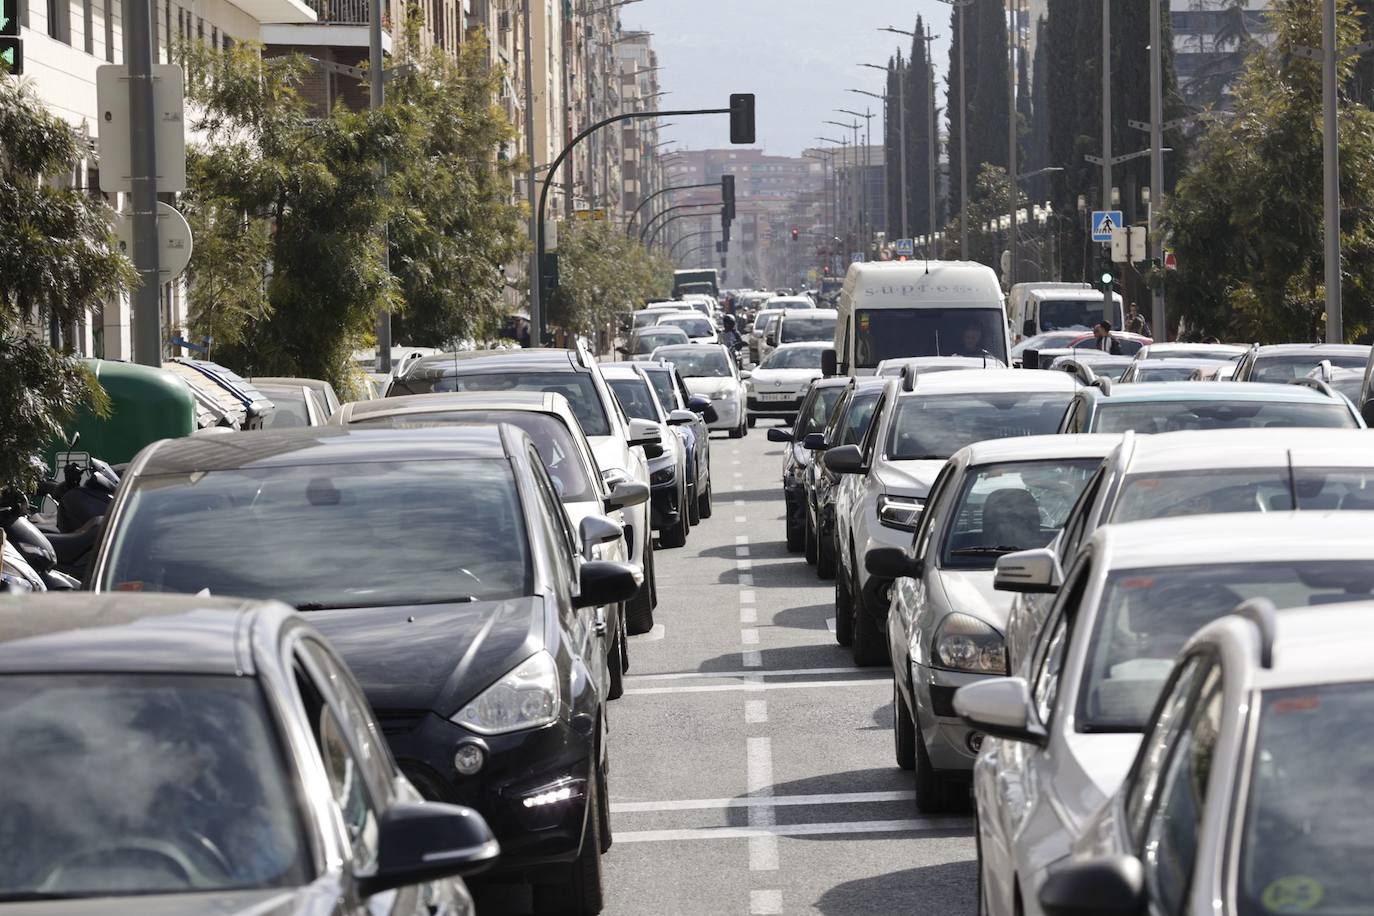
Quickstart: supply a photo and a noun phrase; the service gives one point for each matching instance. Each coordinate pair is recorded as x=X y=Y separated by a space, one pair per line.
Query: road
x=752 y=767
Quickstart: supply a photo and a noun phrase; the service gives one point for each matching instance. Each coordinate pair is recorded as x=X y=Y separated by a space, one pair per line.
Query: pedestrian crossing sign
x=1104 y=221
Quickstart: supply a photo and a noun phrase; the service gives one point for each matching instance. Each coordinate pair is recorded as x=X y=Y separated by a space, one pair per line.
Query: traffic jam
x=471 y=644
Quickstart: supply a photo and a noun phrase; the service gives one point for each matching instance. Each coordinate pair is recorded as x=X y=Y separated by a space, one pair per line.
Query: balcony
x=337 y=24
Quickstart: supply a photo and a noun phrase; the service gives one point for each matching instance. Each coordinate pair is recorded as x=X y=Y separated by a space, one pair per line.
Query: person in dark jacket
x=1104 y=341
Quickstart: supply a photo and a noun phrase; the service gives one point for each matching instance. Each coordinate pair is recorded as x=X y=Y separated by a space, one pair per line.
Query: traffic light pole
x=1331 y=173
x=1158 y=325
x=649 y=233
x=1107 y=135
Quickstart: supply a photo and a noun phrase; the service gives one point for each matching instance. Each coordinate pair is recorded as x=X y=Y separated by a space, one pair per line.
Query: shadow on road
x=790 y=657
x=811 y=617
x=948 y=889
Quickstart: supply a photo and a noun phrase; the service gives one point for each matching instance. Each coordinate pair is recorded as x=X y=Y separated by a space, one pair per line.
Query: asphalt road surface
x=752 y=769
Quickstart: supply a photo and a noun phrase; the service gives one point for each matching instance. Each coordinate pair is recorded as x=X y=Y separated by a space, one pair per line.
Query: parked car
x=442 y=566
x=813 y=417
x=849 y=422
x=296 y=405
x=777 y=385
x=710 y=371
x=672 y=393
x=1101 y=365
x=671 y=503
x=1168 y=369
x=549 y=421
x=1128 y=603
x=1284 y=362
x=1250 y=791
x=621 y=445
x=1171 y=350
x=1159 y=407
x=169 y=754
x=945 y=626
x=919 y=424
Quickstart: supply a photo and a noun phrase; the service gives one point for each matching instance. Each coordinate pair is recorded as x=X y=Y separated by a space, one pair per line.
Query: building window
x=109 y=31
x=88 y=25
x=60 y=20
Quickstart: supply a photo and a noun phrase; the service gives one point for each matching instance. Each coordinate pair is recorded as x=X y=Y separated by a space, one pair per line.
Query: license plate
x=777 y=397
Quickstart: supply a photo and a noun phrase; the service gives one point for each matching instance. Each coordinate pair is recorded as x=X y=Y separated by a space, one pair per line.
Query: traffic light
x=826 y=270
x=12 y=56
x=727 y=194
x=742 y=117
x=795 y=234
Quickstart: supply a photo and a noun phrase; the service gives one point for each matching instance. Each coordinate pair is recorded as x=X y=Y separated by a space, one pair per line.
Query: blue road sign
x=1104 y=221
x=905 y=248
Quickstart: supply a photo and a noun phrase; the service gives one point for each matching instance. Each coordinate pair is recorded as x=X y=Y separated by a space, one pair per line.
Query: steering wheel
x=194 y=875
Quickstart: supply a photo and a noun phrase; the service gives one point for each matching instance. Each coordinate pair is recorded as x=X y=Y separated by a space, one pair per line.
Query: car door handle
x=600 y=626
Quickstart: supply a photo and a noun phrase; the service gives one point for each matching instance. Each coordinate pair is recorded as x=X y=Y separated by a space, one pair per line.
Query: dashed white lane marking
x=750 y=658
x=749 y=636
x=830 y=624
x=755 y=713
x=746 y=580
x=739 y=473
x=722 y=688
x=765 y=903
x=746 y=597
x=837 y=828
x=740 y=519
x=741 y=539
x=654 y=635
x=763 y=849
x=743 y=562
x=777 y=801
x=780 y=672
x=742 y=551
x=739 y=502
x=748 y=614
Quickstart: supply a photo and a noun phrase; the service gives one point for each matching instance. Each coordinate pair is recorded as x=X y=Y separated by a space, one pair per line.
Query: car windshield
x=662 y=380
x=1165 y=416
x=698 y=362
x=635 y=398
x=808 y=328
x=647 y=342
x=557 y=448
x=1146 y=616
x=893 y=333
x=291 y=412
x=857 y=416
x=1073 y=314
x=647 y=319
x=1306 y=845
x=1284 y=368
x=691 y=326
x=1012 y=506
x=142 y=784
x=371 y=534
x=817 y=413
x=577 y=387
x=793 y=358
x=935 y=427
x=761 y=321
x=1046 y=342
x=1212 y=491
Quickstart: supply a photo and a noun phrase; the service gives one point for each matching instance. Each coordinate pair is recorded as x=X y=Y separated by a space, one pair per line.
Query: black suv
x=442 y=566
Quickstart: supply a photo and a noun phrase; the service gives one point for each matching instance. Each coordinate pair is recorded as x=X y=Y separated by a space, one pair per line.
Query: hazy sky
x=797 y=56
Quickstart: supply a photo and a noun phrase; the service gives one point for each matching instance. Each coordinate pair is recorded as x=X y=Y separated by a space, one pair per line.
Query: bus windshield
x=894 y=333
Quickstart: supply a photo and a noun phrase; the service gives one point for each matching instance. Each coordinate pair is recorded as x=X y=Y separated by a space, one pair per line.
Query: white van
x=1042 y=310
x=893 y=309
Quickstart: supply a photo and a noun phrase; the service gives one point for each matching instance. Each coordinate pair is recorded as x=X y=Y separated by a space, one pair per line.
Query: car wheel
x=653 y=577
x=825 y=557
x=615 y=665
x=903 y=730
x=639 y=610
x=704 y=501
x=676 y=536
x=693 y=508
x=809 y=539
x=934 y=793
x=751 y=421
x=844 y=610
x=870 y=646
x=581 y=894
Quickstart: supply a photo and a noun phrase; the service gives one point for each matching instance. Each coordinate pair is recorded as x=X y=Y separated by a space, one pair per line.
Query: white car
x=1172 y=350
x=778 y=384
x=892 y=368
x=710 y=371
x=919 y=423
x=758 y=331
x=808 y=324
x=946 y=624
x=699 y=329
x=1063 y=733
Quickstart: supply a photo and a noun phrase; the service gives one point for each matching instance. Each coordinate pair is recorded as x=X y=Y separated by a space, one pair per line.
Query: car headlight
x=663 y=475
x=721 y=394
x=528 y=696
x=966 y=643
x=902 y=512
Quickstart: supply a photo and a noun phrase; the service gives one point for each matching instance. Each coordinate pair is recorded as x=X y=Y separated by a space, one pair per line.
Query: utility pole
x=1157 y=318
x=536 y=304
x=147 y=298
x=1012 y=42
x=1331 y=173
x=1107 y=134
x=377 y=76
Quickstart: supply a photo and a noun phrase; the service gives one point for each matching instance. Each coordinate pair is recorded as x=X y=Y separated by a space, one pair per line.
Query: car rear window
x=577 y=387
x=1163 y=416
x=935 y=427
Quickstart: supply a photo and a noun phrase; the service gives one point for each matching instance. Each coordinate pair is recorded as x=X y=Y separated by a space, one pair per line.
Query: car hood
x=783 y=379
x=706 y=385
x=267 y=902
x=609 y=452
x=908 y=478
x=1100 y=763
x=433 y=656
x=970 y=591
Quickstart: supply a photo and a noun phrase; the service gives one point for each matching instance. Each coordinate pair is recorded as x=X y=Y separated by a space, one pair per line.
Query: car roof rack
x=1315 y=384
x=909 y=374
x=1265 y=616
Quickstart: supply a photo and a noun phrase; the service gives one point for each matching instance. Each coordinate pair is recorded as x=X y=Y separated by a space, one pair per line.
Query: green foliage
x=454 y=230
x=57 y=259
x=603 y=273
x=1247 y=220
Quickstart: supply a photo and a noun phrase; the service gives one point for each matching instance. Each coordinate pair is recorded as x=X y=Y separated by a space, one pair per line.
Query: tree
x=919 y=100
x=603 y=273
x=454 y=229
x=57 y=261
x=1246 y=221
x=892 y=144
x=288 y=275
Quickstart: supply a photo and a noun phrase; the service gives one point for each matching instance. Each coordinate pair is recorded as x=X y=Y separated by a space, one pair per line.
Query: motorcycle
x=59 y=561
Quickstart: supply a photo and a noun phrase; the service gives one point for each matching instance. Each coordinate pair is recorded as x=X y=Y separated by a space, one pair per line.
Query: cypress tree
x=918 y=102
x=952 y=108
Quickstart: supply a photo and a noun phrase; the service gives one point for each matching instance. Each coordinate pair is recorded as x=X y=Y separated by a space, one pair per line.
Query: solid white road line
x=781 y=672
x=721 y=688
x=776 y=801
x=755 y=713
x=765 y=903
x=763 y=849
x=838 y=828
x=749 y=636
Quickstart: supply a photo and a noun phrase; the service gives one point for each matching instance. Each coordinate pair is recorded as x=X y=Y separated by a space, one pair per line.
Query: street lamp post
x=866 y=210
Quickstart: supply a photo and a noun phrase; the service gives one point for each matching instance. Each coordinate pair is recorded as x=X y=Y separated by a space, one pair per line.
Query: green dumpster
x=146 y=404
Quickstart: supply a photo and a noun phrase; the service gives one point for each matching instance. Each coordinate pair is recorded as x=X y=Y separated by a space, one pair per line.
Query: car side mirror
x=644 y=433
x=623 y=351
x=607 y=582
x=681 y=417
x=1000 y=706
x=1034 y=572
x=626 y=493
x=1112 y=886
x=698 y=403
x=771 y=340
x=779 y=434
x=815 y=442
x=846 y=459
x=745 y=374
x=428 y=841
x=829 y=363
x=1028 y=328
x=597 y=529
x=892 y=563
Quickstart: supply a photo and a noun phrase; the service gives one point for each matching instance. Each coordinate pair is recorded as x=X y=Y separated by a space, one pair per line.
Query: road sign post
x=173 y=240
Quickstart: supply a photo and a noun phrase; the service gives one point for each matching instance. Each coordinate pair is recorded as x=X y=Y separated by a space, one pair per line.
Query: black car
x=671 y=501
x=442 y=566
x=849 y=420
x=816 y=409
x=673 y=394
x=186 y=755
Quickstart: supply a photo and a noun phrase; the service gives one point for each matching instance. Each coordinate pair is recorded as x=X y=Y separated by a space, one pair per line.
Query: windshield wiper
x=321 y=606
x=983 y=551
x=922 y=458
x=15 y=896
